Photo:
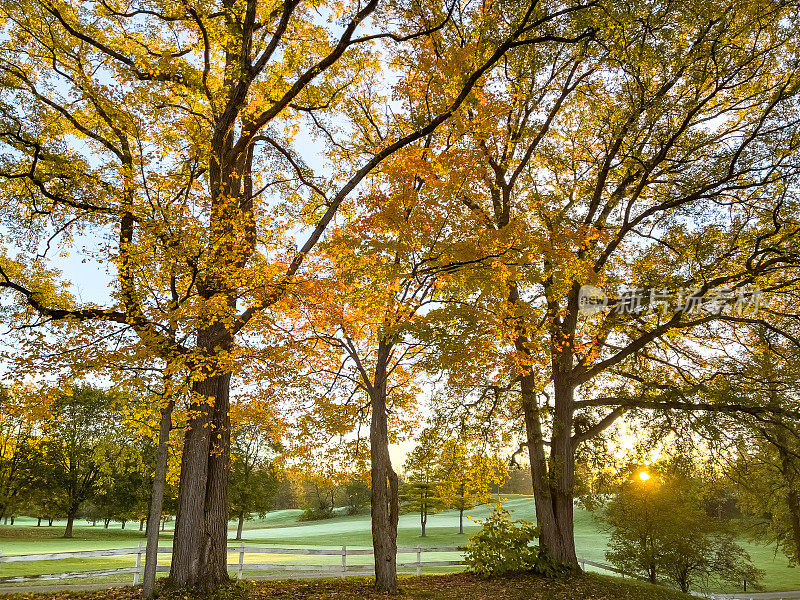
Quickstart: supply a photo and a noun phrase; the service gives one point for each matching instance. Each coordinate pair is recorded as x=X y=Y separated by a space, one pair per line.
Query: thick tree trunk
x=70 y=521
x=553 y=479
x=157 y=500
x=240 y=526
x=384 y=495
x=201 y=527
x=562 y=476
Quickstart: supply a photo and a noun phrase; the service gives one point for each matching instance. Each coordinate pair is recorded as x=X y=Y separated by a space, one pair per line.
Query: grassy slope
x=281 y=528
x=433 y=587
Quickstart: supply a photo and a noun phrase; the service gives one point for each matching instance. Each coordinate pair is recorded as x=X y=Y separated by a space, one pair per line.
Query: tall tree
x=657 y=159
x=163 y=133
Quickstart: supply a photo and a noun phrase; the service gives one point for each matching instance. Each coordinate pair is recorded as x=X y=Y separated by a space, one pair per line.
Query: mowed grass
x=458 y=586
x=282 y=529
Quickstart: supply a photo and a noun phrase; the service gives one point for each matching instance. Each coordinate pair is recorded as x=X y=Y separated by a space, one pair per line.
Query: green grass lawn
x=282 y=529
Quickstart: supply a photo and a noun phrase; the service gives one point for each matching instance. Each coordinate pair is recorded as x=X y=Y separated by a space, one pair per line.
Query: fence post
x=419 y=560
x=138 y=565
x=241 y=561
x=344 y=561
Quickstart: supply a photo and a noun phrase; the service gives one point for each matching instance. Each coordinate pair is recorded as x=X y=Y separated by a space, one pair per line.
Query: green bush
x=316 y=514
x=506 y=546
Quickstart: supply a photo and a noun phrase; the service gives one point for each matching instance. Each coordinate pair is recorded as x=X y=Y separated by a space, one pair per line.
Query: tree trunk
x=461 y=520
x=39 y=521
x=199 y=555
x=12 y=519
x=157 y=500
x=106 y=523
x=384 y=497
x=553 y=479
x=141 y=524
x=49 y=522
x=240 y=526
x=70 y=520
x=423 y=520
x=123 y=524
x=5 y=520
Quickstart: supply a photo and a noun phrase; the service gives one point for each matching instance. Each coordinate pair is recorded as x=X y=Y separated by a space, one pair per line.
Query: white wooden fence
x=238 y=567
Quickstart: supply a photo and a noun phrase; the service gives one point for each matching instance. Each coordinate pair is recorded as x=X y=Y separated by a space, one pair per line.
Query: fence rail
x=240 y=566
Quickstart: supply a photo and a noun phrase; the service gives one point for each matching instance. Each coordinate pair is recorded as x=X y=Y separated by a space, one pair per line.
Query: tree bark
x=554 y=478
x=38 y=521
x=240 y=526
x=70 y=520
x=461 y=520
x=157 y=500
x=199 y=556
x=384 y=495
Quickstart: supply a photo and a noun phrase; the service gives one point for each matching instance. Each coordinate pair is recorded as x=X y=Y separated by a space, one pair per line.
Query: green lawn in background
x=282 y=528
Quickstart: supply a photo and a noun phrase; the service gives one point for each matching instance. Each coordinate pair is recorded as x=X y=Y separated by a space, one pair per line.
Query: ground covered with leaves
x=458 y=586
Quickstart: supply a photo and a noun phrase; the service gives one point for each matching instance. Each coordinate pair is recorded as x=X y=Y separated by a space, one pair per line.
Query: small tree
x=80 y=442
x=467 y=477
x=357 y=496
x=253 y=482
x=422 y=497
x=422 y=491
x=658 y=529
x=123 y=493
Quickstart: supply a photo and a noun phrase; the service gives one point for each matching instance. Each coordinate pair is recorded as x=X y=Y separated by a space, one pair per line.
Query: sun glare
x=644 y=475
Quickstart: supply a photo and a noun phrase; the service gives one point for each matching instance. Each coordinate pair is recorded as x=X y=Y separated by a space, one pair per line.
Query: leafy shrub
x=506 y=546
x=316 y=514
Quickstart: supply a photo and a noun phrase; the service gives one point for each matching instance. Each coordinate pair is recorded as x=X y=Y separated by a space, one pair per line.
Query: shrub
x=506 y=546
x=316 y=514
